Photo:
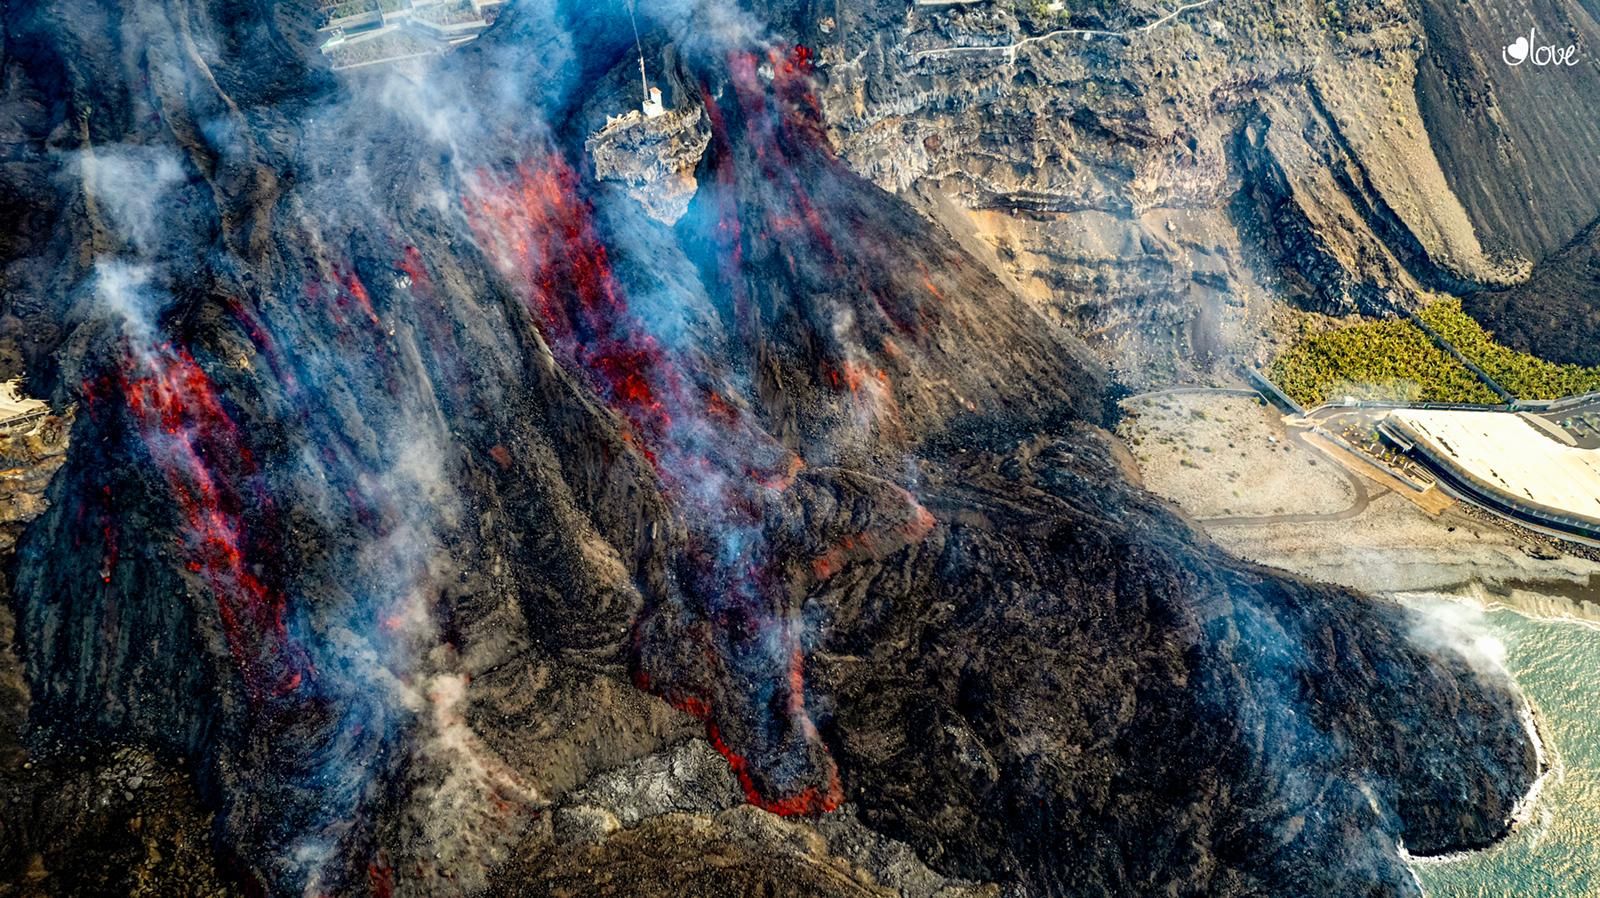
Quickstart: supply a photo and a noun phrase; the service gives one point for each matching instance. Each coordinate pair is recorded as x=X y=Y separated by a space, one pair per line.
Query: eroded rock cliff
x=1158 y=178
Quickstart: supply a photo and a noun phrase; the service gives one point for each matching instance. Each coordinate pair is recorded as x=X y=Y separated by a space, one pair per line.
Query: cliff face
x=1157 y=181
x=1505 y=135
x=31 y=458
x=429 y=497
x=1553 y=314
x=1510 y=150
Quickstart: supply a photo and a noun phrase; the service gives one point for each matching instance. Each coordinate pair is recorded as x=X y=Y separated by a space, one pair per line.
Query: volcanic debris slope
x=419 y=480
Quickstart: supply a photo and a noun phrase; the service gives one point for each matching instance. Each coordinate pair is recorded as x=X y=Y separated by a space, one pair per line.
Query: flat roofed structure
x=364 y=33
x=1506 y=456
x=16 y=410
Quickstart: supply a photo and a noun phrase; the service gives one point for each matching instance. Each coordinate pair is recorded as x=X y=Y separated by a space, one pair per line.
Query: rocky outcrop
x=121 y=823
x=1157 y=182
x=737 y=853
x=655 y=158
x=31 y=457
x=684 y=801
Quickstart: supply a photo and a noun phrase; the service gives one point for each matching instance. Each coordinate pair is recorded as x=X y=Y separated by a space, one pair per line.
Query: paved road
x=1010 y=50
x=1182 y=390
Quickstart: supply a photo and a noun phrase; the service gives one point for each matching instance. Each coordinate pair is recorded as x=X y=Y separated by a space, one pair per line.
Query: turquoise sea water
x=1555 y=852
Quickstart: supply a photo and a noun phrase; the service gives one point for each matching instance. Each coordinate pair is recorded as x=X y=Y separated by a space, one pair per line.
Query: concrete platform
x=1508 y=456
x=18 y=411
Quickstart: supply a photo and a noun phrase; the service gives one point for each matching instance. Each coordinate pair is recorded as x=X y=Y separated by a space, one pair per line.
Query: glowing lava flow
x=721 y=472
x=538 y=227
x=195 y=444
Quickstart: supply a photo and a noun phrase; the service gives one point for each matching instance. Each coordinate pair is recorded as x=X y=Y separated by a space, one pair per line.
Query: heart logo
x=1515 y=52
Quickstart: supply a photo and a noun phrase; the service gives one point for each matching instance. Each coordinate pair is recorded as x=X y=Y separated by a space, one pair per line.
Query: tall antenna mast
x=644 y=80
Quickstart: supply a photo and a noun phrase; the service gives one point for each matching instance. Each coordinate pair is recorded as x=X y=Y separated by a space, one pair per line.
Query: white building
x=18 y=411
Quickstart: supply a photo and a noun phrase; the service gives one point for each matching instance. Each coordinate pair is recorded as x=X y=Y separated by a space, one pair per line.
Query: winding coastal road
x=1011 y=49
x=1357 y=509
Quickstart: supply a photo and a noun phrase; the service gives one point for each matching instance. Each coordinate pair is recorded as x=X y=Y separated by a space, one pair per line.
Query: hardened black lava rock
x=417 y=479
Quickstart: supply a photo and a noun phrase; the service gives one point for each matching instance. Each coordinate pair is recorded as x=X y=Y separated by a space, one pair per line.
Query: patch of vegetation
x=334 y=11
x=1389 y=359
x=1044 y=13
x=1524 y=376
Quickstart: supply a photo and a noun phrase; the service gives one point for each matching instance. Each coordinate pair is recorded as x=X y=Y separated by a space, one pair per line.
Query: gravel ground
x=1217 y=455
x=1395 y=546
x=1221 y=455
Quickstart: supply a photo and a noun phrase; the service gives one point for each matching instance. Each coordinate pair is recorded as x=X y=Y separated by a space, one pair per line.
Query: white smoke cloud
x=123 y=289
x=1441 y=624
x=707 y=25
x=128 y=184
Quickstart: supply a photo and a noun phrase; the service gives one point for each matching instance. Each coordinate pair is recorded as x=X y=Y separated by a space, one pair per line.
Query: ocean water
x=1552 y=648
